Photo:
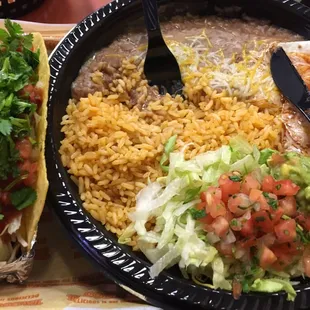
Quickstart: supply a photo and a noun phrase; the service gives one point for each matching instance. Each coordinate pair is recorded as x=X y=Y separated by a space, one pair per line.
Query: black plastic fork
x=160 y=67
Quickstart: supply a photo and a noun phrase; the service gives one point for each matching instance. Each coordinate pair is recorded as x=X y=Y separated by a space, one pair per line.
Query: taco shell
x=31 y=215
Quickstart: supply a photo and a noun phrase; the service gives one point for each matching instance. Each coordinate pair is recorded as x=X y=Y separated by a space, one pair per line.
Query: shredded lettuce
x=274 y=285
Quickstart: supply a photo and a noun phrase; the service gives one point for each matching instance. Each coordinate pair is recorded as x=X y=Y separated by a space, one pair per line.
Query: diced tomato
x=236 y=224
x=276 y=215
x=26 y=91
x=201 y=206
x=292 y=248
x=262 y=222
x=268 y=240
x=285 y=231
x=249 y=183
x=5 y=198
x=228 y=186
x=237 y=289
x=228 y=216
x=24 y=147
x=268 y=184
x=208 y=219
x=211 y=194
x=31 y=169
x=285 y=253
x=225 y=249
x=285 y=188
x=288 y=204
x=306 y=265
x=214 y=205
x=247 y=228
x=267 y=257
x=239 y=204
x=256 y=195
x=220 y=226
x=34 y=94
x=247 y=242
x=282 y=262
x=304 y=221
x=216 y=210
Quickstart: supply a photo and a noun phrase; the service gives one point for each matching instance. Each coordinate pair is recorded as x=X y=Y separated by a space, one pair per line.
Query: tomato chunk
x=247 y=228
x=24 y=147
x=257 y=195
x=267 y=257
x=249 y=183
x=285 y=231
x=220 y=226
x=268 y=184
x=262 y=221
x=228 y=186
x=247 y=242
x=288 y=204
x=239 y=204
x=31 y=170
x=212 y=193
x=5 y=198
x=276 y=215
x=237 y=289
x=208 y=219
x=304 y=221
x=285 y=188
x=34 y=94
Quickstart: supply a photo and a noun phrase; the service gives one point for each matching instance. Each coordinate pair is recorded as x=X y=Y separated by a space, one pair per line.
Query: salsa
x=256 y=220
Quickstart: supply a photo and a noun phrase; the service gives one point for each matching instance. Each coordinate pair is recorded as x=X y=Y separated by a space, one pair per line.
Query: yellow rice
x=111 y=149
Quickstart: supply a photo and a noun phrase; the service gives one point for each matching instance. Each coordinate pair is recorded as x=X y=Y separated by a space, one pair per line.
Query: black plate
x=169 y=290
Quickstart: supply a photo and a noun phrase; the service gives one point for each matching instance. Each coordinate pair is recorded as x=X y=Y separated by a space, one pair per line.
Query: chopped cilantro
x=243 y=208
x=286 y=232
x=273 y=203
x=23 y=198
x=17 y=69
x=303 y=236
x=235 y=178
x=278 y=186
x=1 y=216
x=265 y=155
x=197 y=214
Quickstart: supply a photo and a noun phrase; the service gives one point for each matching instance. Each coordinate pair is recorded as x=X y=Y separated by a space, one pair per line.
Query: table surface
x=64 y=11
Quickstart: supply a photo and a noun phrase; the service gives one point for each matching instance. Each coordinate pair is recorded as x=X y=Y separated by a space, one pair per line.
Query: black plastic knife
x=289 y=81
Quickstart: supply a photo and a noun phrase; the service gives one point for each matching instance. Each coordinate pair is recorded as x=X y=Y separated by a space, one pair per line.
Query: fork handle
x=151 y=15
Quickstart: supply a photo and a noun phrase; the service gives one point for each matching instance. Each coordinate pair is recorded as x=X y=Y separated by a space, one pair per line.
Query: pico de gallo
x=236 y=218
x=20 y=99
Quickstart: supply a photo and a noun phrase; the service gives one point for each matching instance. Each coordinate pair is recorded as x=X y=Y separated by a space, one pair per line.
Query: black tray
x=169 y=290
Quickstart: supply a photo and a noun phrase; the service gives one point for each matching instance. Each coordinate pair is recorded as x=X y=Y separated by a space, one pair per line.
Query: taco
x=24 y=78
